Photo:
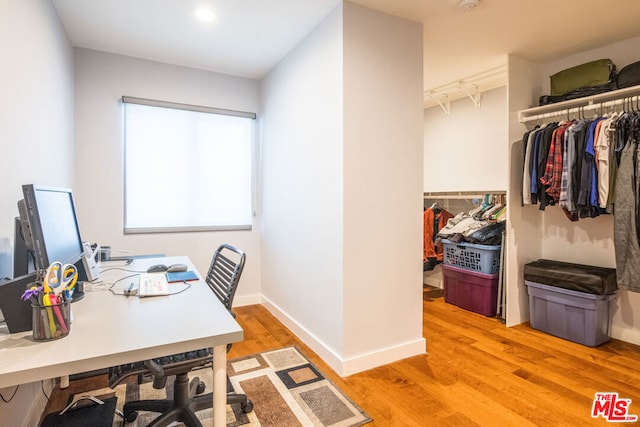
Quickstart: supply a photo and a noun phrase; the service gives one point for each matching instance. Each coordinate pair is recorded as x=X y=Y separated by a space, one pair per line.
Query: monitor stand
x=78 y=292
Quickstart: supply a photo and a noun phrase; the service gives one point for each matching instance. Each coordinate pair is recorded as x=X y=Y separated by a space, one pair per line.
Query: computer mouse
x=158 y=268
x=175 y=268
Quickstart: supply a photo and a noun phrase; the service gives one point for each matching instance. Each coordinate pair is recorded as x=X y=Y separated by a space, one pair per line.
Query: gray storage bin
x=576 y=316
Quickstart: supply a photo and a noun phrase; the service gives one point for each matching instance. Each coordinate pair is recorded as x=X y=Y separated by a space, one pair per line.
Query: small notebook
x=153 y=284
x=181 y=276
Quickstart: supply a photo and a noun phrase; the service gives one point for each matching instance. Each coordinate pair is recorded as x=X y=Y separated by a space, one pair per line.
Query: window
x=187 y=168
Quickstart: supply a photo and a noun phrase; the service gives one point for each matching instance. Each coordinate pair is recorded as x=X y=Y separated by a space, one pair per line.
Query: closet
x=479 y=218
x=532 y=234
x=586 y=165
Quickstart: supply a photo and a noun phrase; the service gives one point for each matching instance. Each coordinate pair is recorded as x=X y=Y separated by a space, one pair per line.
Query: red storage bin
x=471 y=290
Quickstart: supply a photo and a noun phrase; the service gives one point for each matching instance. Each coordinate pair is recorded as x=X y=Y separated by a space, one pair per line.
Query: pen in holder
x=51 y=320
x=50 y=298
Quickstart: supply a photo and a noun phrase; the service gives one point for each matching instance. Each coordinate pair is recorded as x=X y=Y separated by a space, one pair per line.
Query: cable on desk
x=169 y=294
x=123 y=269
x=100 y=285
x=133 y=275
x=119 y=280
x=183 y=289
x=12 y=396
x=44 y=392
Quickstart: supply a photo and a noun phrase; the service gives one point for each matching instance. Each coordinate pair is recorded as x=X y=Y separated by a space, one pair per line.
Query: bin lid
x=577 y=277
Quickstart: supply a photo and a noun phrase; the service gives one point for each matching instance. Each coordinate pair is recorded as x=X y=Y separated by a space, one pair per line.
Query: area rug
x=285 y=387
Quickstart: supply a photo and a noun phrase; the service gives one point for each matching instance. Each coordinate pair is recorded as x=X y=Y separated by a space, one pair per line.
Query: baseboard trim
x=627 y=335
x=384 y=356
x=242 y=300
x=345 y=367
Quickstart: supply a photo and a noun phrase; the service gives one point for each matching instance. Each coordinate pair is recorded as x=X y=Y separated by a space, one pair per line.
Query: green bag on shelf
x=594 y=73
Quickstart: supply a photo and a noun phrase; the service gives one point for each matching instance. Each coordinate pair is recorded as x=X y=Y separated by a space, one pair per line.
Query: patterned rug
x=285 y=388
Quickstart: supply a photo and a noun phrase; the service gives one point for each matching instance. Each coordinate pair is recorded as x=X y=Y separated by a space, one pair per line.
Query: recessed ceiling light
x=467 y=5
x=204 y=14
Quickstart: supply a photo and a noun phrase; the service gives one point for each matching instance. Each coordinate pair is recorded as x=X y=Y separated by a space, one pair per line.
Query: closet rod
x=587 y=102
x=460 y=195
x=577 y=110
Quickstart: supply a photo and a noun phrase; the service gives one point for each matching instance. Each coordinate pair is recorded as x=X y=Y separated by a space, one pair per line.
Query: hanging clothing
x=587 y=195
x=552 y=177
x=597 y=162
x=567 y=200
x=527 y=144
x=434 y=221
x=604 y=160
x=541 y=163
x=561 y=168
x=625 y=232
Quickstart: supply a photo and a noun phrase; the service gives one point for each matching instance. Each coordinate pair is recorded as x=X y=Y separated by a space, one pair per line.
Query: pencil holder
x=51 y=322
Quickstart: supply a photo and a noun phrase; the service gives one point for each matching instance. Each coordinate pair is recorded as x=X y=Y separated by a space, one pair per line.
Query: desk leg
x=64 y=381
x=220 y=386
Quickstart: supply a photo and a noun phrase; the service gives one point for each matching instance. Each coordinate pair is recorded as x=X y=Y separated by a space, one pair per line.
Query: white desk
x=109 y=330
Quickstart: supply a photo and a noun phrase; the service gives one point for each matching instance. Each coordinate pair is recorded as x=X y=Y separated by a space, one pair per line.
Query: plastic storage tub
x=576 y=316
x=469 y=256
x=471 y=290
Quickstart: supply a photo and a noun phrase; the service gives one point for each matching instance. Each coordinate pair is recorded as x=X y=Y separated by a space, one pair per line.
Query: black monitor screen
x=54 y=225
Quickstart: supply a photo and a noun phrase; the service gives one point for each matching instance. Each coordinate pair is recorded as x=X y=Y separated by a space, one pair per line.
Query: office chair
x=222 y=277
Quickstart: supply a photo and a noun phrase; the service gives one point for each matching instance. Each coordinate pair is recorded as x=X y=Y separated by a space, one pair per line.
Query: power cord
x=4 y=399
x=120 y=280
x=15 y=391
x=183 y=289
x=130 y=293
x=43 y=392
x=122 y=269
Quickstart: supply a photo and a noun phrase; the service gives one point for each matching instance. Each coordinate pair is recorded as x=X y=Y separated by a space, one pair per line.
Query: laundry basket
x=469 y=256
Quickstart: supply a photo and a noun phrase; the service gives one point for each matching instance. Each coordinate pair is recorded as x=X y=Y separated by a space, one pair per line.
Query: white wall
x=464 y=151
x=342 y=182
x=36 y=78
x=588 y=241
x=523 y=243
x=36 y=111
x=302 y=247
x=101 y=79
x=383 y=169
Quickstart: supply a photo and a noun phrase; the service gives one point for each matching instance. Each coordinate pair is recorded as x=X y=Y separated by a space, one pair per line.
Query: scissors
x=60 y=277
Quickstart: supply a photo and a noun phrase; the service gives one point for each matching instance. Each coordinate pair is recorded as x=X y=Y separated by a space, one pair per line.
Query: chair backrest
x=224 y=272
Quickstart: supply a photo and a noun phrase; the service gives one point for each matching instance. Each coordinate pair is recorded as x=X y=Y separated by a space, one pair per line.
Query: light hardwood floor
x=476 y=372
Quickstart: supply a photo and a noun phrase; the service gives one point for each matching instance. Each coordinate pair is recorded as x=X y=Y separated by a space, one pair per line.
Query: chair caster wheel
x=247 y=407
x=201 y=388
x=131 y=416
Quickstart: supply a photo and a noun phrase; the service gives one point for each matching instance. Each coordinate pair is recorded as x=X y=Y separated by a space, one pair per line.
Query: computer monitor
x=50 y=225
x=23 y=256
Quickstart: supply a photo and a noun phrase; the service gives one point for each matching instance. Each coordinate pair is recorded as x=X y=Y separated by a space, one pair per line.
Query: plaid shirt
x=553 y=169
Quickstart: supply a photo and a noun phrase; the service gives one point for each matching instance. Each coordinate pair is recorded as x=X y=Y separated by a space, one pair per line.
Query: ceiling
x=249 y=37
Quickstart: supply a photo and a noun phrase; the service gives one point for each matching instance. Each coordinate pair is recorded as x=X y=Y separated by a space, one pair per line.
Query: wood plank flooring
x=476 y=372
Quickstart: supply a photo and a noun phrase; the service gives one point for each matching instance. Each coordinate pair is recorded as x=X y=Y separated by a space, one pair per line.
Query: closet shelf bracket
x=474 y=96
x=446 y=106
